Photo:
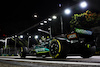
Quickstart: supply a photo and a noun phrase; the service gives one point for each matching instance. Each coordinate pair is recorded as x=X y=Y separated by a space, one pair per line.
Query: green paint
x=42 y=52
x=82 y=31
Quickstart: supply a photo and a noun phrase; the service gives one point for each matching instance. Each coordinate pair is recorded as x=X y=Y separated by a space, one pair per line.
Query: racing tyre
x=88 y=52
x=23 y=52
x=23 y=55
x=58 y=49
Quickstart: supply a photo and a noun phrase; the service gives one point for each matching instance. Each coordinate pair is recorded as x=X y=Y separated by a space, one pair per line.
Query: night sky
x=16 y=15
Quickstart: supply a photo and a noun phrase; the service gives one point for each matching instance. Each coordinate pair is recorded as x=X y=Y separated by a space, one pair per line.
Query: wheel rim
x=54 y=48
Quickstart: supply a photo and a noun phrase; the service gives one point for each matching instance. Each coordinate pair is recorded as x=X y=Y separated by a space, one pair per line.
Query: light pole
x=67 y=12
x=61 y=21
x=49 y=19
x=29 y=37
x=15 y=43
x=28 y=44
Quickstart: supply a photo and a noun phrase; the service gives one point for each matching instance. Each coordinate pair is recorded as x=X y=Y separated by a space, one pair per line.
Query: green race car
x=79 y=41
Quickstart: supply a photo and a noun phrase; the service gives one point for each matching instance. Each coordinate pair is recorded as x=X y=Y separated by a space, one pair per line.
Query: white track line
x=53 y=62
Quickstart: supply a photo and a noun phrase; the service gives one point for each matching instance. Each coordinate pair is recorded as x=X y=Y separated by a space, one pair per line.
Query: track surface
x=94 y=59
x=70 y=60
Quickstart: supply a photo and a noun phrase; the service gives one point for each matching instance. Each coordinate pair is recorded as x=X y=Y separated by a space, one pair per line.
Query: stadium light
x=21 y=36
x=54 y=17
x=49 y=19
x=45 y=21
x=36 y=36
x=67 y=11
x=41 y=23
x=35 y=16
x=83 y=4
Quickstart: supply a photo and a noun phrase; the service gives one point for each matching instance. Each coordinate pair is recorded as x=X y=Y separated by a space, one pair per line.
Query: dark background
x=16 y=15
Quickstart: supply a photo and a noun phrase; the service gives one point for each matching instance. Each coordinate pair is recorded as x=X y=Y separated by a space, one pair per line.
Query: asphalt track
x=70 y=60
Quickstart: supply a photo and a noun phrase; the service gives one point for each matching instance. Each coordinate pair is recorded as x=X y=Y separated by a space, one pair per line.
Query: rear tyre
x=58 y=49
x=23 y=52
x=23 y=55
x=88 y=52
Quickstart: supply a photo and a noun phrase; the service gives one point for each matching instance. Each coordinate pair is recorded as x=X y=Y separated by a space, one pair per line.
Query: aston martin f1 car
x=79 y=41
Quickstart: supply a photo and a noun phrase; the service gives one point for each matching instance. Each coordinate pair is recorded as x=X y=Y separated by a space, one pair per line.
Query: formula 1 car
x=79 y=41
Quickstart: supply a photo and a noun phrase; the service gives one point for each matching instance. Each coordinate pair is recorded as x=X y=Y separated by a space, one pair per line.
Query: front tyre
x=58 y=49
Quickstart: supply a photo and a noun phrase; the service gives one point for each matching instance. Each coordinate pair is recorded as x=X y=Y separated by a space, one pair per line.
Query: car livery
x=80 y=41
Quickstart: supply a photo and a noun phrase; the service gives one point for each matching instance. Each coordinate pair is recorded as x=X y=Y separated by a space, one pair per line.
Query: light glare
x=41 y=24
x=36 y=36
x=21 y=36
x=54 y=17
x=60 y=5
x=83 y=4
x=30 y=36
x=15 y=35
x=67 y=11
x=35 y=16
x=45 y=21
x=49 y=19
